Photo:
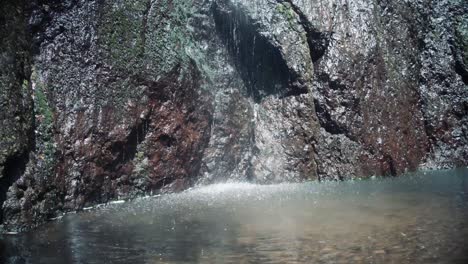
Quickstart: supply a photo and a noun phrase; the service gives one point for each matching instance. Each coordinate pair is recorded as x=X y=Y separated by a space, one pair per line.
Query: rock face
x=16 y=107
x=105 y=100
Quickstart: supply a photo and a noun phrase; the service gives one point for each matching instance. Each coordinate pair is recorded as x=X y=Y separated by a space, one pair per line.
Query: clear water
x=422 y=218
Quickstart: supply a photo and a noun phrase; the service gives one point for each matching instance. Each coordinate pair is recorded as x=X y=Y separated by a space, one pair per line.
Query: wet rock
x=106 y=100
x=112 y=120
x=16 y=106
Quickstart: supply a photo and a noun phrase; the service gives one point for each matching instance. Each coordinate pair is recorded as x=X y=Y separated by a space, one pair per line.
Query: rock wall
x=16 y=107
x=111 y=99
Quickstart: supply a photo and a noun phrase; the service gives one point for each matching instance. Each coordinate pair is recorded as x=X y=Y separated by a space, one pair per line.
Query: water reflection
x=415 y=219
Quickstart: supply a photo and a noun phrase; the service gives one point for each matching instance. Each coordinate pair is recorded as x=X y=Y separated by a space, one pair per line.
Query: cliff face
x=16 y=107
x=111 y=99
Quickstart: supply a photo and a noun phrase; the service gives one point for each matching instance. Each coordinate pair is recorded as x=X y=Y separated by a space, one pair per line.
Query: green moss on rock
x=45 y=146
x=140 y=35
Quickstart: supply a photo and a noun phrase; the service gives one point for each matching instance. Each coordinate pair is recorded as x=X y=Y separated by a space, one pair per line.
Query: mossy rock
x=140 y=36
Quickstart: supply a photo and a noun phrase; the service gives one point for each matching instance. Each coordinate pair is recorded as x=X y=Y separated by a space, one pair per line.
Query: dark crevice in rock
x=14 y=167
x=326 y=121
x=17 y=136
x=125 y=151
x=166 y=140
x=318 y=41
x=459 y=43
x=295 y=92
x=427 y=128
x=333 y=84
x=260 y=63
x=392 y=167
x=315 y=157
x=160 y=183
x=461 y=70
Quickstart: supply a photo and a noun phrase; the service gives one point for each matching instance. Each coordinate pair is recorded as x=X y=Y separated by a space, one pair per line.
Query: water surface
x=421 y=218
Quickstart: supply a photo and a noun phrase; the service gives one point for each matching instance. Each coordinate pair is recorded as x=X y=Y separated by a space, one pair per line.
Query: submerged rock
x=104 y=100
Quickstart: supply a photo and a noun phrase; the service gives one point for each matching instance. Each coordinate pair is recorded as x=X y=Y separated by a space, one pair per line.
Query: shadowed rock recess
x=104 y=100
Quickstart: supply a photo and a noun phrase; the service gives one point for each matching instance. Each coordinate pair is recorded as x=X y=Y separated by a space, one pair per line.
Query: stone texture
x=16 y=114
x=111 y=122
x=127 y=98
x=371 y=83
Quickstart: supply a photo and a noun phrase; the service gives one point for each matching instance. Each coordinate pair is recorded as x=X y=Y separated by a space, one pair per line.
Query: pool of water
x=420 y=218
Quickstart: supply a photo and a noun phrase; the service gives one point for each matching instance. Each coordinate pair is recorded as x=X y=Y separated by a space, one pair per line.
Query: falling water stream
x=418 y=218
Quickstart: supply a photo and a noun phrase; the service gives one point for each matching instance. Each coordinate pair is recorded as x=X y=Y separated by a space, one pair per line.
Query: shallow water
x=421 y=218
